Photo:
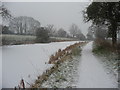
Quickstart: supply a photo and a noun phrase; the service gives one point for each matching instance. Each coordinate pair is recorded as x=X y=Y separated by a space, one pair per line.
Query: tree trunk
x=114 y=33
x=25 y=27
x=21 y=29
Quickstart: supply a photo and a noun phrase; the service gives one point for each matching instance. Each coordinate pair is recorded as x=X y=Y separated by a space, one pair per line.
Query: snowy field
x=26 y=61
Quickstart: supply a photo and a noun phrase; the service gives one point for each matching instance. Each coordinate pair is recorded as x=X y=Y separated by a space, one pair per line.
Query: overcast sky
x=60 y=14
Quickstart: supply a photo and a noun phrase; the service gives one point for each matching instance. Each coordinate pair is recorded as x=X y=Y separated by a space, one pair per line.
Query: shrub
x=76 y=51
x=42 y=35
x=102 y=46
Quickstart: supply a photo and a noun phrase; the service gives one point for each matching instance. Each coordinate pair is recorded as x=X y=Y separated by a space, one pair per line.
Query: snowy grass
x=63 y=55
x=17 y=39
x=76 y=51
x=26 y=39
x=63 y=38
x=108 y=55
x=65 y=76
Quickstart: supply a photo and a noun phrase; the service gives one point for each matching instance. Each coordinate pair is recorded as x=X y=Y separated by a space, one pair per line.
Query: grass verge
x=109 y=55
x=64 y=56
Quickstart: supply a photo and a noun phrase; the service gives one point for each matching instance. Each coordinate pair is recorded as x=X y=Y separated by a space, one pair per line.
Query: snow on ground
x=92 y=74
x=26 y=61
x=66 y=75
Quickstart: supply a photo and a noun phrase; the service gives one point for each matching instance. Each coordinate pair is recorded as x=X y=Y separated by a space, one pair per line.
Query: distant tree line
x=24 y=25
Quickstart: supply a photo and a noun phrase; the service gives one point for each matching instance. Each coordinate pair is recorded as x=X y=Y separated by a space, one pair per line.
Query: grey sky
x=61 y=14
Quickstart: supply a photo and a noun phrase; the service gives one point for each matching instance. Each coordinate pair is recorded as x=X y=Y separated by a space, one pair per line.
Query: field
x=16 y=39
x=26 y=39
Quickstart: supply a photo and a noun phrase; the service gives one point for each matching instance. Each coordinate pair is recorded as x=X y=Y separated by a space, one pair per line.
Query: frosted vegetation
x=65 y=76
x=16 y=39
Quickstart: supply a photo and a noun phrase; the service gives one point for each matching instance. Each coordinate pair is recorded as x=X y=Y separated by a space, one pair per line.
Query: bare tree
x=24 y=25
x=4 y=12
x=90 y=34
x=73 y=30
x=76 y=32
x=62 y=32
x=97 y=31
x=51 y=29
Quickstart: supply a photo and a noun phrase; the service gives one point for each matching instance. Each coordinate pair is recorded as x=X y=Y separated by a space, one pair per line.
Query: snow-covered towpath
x=92 y=74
